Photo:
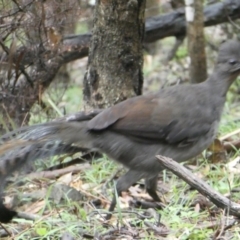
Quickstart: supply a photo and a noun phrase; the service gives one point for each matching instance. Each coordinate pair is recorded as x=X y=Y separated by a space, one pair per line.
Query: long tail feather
x=36 y=142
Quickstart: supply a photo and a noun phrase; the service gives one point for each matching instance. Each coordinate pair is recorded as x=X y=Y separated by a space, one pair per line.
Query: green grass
x=182 y=218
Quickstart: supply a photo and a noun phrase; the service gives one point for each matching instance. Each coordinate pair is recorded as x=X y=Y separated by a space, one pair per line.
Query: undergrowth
x=186 y=215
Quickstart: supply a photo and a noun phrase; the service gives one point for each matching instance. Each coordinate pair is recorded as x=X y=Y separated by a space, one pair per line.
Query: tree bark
x=196 y=41
x=114 y=71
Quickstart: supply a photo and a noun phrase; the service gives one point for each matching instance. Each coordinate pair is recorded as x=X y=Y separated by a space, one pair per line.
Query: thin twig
x=58 y=172
x=27 y=216
x=229 y=135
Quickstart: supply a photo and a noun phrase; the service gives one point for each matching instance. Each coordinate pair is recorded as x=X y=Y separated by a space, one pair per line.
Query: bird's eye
x=232 y=61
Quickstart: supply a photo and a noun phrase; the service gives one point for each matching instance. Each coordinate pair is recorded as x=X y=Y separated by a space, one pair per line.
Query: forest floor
x=70 y=203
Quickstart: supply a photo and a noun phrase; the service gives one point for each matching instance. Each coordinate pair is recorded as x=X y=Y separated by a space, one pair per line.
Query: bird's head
x=229 y=59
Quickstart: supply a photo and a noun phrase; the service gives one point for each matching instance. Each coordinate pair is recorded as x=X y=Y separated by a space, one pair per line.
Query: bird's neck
x=219 y=82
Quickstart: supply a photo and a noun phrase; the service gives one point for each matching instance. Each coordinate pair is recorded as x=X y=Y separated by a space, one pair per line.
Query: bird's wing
x=155 y=119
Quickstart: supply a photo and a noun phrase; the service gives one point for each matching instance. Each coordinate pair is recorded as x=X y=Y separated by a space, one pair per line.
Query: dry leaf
x=35 y=207
x=66 y=178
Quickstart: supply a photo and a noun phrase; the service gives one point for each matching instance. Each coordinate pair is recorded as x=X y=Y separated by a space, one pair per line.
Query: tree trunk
x=196 y=41
x=114 y=71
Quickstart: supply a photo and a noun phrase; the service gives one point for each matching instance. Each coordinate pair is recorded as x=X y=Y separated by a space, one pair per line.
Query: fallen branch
x=229 y=135
x=27 y=216
x=231 y=146
x=59 y=172
x=156 y=28
x=174 y=23
x=215 y=197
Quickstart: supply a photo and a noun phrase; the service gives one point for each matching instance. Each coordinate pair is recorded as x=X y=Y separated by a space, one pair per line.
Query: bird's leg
x=151 y=187
x=123 y=184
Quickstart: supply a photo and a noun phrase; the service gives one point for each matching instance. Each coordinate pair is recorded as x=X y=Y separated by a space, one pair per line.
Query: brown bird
x=178 y=122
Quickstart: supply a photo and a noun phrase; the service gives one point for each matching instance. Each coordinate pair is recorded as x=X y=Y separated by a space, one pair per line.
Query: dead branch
x=158 y=27
x=28 y=216
x=59 y=172
x=174 y=24
x=167 y=25
x=201 y=186
x=231 y=146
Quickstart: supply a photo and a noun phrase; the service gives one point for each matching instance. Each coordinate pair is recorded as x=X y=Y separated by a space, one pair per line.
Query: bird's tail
x=34 y=142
